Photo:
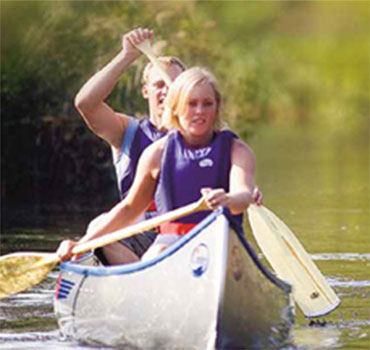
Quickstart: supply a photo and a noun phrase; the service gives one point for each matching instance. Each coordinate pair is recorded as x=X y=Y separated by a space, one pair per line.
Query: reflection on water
x=27 y=320
x=318 y=337
x=342 y=256
x=317 y=185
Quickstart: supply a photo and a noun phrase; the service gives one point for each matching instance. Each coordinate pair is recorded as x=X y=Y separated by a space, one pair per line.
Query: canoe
x=207 y=291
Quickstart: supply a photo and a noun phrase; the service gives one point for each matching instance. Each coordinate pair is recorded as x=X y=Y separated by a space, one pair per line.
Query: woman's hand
x=257 y=196
x=215 y=197
x=65 y=249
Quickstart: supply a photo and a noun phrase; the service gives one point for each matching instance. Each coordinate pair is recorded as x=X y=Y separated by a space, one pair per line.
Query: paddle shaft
x=20 y=271
x=292 y=263
x=140 y=227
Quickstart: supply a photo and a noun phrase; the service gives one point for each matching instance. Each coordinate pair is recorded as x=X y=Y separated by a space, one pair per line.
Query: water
x=317 y=183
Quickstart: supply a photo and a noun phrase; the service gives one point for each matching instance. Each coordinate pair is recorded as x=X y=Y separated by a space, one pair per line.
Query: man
x=127 y=136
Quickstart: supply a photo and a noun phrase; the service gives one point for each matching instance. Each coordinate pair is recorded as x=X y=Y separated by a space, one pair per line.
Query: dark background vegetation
x=285 y=62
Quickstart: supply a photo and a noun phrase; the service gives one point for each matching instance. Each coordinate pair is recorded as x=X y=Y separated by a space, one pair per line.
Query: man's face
x=155 y=90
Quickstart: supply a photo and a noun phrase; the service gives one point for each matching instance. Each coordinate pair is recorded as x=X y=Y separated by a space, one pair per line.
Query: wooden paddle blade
x=292 y=263
x=19 y=271
x=146 y=49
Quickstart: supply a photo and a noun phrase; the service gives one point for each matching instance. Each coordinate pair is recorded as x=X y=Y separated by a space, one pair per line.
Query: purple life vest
x=184 y=171
x=138 y=136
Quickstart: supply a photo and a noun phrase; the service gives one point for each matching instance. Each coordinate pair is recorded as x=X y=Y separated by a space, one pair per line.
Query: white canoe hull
x=205 y=292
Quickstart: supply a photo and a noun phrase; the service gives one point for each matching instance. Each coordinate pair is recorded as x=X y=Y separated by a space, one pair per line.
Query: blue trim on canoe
x=64 y=291
x=66 y=283
x=265 y=271
x=74 y=267
x=64 y=288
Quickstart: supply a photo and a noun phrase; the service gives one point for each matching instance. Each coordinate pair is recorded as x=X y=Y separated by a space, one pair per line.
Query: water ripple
x=348 y=283
x=342 y=256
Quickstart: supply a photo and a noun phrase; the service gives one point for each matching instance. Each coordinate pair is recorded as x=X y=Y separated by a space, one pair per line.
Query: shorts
x=163 y=239
x=167 y=238
x=138 y=244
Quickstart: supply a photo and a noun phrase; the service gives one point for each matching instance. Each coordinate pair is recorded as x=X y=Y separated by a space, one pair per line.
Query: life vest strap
x=178 y=228
x=152 y=207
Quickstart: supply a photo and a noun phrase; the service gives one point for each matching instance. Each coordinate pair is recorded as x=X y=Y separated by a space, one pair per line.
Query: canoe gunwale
x=75 y=267
x=285 y=286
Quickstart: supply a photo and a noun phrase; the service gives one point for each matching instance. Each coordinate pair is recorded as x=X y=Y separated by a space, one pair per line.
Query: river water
x=318 y=183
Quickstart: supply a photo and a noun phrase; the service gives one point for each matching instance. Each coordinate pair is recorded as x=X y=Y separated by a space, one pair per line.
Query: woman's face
x=200 y=111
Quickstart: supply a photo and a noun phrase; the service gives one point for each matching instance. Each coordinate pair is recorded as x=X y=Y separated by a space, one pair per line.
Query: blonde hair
x=178 y=95
x=167 y=61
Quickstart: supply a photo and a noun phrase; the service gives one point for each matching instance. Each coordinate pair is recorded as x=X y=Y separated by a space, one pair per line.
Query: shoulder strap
x=129 y=136
x=164 y=191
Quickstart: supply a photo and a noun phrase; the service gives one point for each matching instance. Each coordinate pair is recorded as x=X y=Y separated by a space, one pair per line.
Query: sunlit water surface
x=318 y=184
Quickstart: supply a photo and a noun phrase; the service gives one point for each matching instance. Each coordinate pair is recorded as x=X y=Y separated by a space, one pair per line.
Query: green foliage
x=276 y=60
x=279 y=61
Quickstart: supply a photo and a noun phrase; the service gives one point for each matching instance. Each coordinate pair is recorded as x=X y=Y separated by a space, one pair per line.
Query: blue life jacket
x=184 y=171
x=138 y=136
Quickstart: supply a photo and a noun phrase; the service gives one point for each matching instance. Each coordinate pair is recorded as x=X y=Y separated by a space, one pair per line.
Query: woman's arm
x=138 y=198
x=241 y=177
x=241 y=187
x=127 y=211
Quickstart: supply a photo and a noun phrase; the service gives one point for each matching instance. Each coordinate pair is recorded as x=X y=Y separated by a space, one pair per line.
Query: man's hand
x=135 y=37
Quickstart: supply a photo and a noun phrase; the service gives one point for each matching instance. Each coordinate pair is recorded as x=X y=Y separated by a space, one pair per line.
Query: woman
x=194 y=159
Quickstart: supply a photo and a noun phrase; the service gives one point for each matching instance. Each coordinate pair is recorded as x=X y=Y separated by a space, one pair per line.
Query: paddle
x=292 y=263
x=19 y=271
x=145 y=48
